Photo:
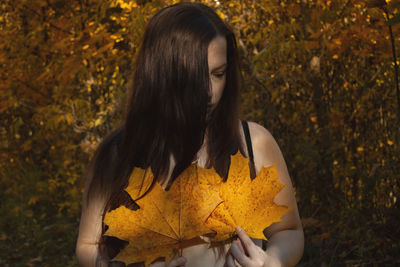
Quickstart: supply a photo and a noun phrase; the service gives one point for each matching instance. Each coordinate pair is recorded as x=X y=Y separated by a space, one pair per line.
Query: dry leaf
x=167 y=221
x=247 y=203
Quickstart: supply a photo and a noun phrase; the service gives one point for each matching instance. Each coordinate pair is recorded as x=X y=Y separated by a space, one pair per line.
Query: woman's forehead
x=217 y=53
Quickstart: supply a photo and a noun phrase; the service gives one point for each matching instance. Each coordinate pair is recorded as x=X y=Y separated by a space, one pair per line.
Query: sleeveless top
x=110 y=246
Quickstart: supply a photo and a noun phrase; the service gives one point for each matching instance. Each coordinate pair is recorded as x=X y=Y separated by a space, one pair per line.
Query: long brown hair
x=168 y=102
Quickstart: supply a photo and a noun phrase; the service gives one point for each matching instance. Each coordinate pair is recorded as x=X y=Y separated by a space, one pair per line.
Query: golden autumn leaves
x=198 y=203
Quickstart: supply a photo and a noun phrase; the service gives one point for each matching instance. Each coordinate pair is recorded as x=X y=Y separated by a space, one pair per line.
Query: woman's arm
x=285 y=238
x=247 y=254
x=285 y=248
x=90 y=230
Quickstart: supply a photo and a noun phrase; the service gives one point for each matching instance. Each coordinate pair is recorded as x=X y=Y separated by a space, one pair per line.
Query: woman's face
x=217 y=64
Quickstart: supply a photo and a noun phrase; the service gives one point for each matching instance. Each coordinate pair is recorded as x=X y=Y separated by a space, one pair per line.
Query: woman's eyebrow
x=219 y=67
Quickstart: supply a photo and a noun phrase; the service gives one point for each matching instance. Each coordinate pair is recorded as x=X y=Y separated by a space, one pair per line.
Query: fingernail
x=239 y=228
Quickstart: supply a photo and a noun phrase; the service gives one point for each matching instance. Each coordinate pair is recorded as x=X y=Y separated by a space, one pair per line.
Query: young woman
x=183 y=108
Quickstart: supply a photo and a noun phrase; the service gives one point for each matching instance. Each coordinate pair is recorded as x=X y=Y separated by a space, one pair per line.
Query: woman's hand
x=245 y=252
x=180 y=261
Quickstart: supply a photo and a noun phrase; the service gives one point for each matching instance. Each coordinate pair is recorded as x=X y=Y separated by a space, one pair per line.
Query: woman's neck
x=200 y=158
x=201 y=155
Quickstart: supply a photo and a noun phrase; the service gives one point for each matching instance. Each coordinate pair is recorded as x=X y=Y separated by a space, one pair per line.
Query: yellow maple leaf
x=167 y=221
x=197 y=204
x=247 y=203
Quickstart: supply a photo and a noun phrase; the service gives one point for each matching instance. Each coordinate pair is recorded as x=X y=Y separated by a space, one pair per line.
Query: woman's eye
x=219 y=74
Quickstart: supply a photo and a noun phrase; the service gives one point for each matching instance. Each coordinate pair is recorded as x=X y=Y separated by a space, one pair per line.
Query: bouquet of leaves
x=198 y=203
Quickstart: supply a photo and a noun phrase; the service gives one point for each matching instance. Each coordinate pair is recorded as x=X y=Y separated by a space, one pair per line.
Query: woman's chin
x=209 y=113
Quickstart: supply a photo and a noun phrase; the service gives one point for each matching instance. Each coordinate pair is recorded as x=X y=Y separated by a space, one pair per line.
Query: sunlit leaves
x=198 y=203
x=318 y=74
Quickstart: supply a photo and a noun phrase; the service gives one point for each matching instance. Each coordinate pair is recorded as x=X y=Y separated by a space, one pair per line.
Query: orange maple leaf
x=247 y=203
x=167 y=221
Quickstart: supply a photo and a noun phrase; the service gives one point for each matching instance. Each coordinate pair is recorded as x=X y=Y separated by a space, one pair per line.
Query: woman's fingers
x=238 y=254
x=245 y=252
x=239 y=243
x=181 y=261
x=157 y=264
x=229 y=261
x=246 y=242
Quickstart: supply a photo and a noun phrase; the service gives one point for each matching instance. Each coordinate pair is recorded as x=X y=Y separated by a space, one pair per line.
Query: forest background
x=320 y=75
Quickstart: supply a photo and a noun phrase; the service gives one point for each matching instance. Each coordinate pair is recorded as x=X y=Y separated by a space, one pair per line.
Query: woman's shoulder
x=259 y=133
x=261 y=139
x=265 y=148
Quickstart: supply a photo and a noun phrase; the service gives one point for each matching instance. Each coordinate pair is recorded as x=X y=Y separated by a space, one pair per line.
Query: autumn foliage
x=321 y=75
x=197 y=204
x=166 y=221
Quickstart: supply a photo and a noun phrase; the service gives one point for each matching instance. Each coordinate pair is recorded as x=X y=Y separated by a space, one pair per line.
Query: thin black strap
x=245 y=126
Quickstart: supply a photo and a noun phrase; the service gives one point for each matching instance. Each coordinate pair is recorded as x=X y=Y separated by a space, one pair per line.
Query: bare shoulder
x=266 y=153
x=259 y=134
x=265 y=147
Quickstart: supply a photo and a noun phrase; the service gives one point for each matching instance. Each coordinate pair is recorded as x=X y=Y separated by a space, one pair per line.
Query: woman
x=183 y=108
